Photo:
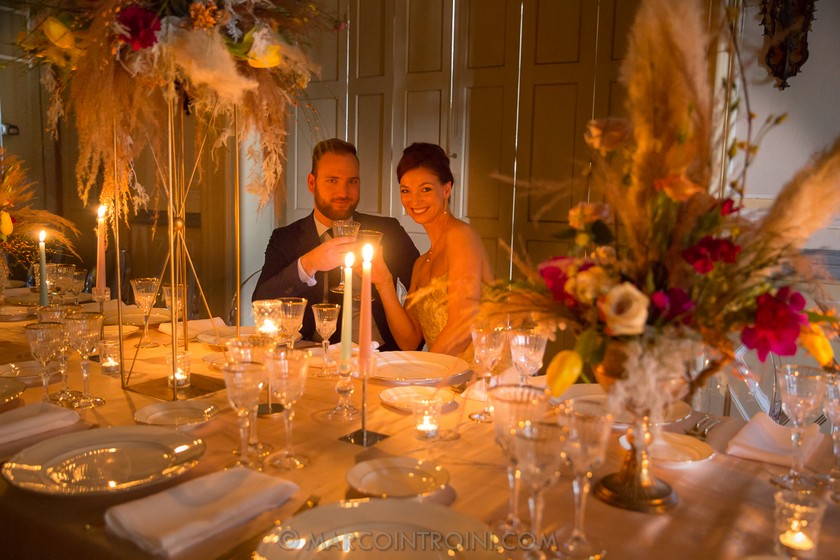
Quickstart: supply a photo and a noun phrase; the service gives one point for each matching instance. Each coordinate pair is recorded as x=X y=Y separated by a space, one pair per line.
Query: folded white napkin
x=195 y=327
x=173 y=520
x=761 y=439
x=34 y=419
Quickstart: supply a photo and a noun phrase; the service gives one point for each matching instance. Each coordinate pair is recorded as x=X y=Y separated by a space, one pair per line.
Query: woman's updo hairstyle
x=428 y=156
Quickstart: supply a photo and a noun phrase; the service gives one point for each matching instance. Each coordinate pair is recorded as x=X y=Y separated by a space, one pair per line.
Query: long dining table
x=725 y=508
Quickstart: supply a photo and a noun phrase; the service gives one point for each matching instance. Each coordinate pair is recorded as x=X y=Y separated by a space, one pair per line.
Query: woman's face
x=422 y=195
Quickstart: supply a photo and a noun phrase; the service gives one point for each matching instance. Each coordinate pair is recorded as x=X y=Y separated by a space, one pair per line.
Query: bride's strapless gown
x=432 y=313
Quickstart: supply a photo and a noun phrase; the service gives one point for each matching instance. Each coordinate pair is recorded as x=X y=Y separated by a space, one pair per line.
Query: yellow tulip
x=563 y=371
x=269 y=58
x=816 y=343
x=6 y=225
x=58 y=33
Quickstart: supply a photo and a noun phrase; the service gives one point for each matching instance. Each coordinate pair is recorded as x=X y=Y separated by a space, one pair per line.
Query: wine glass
x=291 y=318
x=252 y=350
x=83 y=333
x=76 y=283
x=512 y=404
x=488 y=342
x=801 y=389
x=242 y=381
x=167 y=300
x=344 y=228
x=56 y=313
x=538 y=446
x=45 y=341
x=832 y=412
x=586 y=443
x=287 y=375
x=326 y=320
x=145 y=291
x=527 y=347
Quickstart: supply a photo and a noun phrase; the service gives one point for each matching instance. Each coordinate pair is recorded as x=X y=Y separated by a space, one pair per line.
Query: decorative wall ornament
x=786 y=24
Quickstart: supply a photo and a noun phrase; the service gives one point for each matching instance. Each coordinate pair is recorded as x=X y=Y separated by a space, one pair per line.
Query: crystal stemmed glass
x=538 y=446
x=287 y=374
x=56 y=314
x=344 y=228
x=145 y=291
x=832 y=412
x=488 y=342
x=512 y=404
x=291 y=318
x=586 y=443
x=242 y=381
x=326 y=320
x=83 y=333
x=527 y=347
x=252 y=350
x=76 y=283
x=45 y=343
x=801 y=389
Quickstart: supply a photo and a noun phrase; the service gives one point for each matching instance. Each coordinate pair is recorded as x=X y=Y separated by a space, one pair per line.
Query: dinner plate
x=104 y=460
x=380 y=529
x=134 y=316
x=15 y=283
x=216 y=360
x=675 y=412
x=177 y=413
x=397 y=477
x=28 y=373
x=11 y=313
x=409 y=368
x=672 y=449
x=404 y=397
x=224 y=333
x=113 y=331
x=11 y=389
x=28 y=297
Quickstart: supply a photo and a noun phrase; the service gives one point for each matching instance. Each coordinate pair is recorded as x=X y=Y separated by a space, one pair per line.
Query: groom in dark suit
x=300 y=257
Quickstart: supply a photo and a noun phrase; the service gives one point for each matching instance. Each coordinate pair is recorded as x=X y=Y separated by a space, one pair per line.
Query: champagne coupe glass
x=801 y=389
x=586 y=443
x=488 y=341
x=538 y=445
x=344 y=228
x=252 y=350
x=291 y=318
x=527 y=347
x=145 y=291
x=45 y=343
x=287 y=373
x=56 y=314
x=76 y=283
x=242 y=381
x=83 y=333
x=513 y=404
x=832 y=411
x=326 y=321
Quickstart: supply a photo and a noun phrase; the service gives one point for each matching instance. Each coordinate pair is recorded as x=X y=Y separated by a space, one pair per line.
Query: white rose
x=624 y=310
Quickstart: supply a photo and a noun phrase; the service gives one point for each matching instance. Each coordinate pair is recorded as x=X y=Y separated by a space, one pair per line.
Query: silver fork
x=705 y=432
x=698 y=428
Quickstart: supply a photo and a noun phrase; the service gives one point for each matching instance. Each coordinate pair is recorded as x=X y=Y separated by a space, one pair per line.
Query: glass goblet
x=291 y=318
x=56 y=313
x=287 y=375
x=527 y=347
x=45 y=341
x=326 y=321
x=344 y=228
x=832 y=412
x=252 y=350
x=586 y=443
x=76 y=283
x=488 y=342
x=513 y=404
x=242 y=381
x=83 y=333
x=801 y=389
x=145 y=292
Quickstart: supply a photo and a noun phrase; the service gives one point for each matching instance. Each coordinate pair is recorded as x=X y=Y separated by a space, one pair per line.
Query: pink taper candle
x=347 y=316
x=43 y=298
x=365 y=313
x=100 y=249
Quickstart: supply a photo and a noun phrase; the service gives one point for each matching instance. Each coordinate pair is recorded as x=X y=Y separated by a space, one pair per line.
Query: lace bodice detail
x=432 y=313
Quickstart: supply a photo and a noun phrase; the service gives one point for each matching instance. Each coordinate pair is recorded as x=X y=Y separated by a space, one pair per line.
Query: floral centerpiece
x=667 y=266
x=20 y=224
x=120 y=65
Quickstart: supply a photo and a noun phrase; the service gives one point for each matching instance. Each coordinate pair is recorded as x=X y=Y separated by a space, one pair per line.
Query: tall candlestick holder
x=363 y=436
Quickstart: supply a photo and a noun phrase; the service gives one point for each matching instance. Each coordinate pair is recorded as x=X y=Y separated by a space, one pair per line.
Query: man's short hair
x=334 y=146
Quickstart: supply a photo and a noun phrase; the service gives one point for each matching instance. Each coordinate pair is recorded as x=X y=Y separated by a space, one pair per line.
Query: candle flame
x=42 y=236
x=102 y=210
x=348 y=260
x=367 y=252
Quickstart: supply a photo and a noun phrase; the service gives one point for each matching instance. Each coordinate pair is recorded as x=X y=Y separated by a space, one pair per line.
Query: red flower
x=705 y=253
x=777 y=324
x=555 y=272
x=728 y=207
x=675 y=304
x=141 y=24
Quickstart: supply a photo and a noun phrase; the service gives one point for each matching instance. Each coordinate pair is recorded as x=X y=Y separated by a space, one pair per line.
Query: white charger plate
x=134 y=316
x=397 y=477
x=409 y=368
x=11 y=389
x=674 y=413
x=27 y=297
x=10 y=313
x=216 y=360
x=104 y=460
x=405 y=396
x=322 y=532
x=113 y=331
x=675 y=449
x=28 y=372
x=177 y=413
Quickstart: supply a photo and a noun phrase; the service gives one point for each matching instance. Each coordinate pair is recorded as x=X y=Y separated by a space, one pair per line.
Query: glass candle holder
x=109 y=357
x=798 y=520
x=427 y=418
x=179 y=371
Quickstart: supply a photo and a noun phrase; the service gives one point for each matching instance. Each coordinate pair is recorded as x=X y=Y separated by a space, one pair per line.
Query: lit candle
x=269 y=327
x=796 y=541
x=347 y=317
x=365 y=313
x=110 y=366
x=42 y=253
x=427 y=428
x=100 y=249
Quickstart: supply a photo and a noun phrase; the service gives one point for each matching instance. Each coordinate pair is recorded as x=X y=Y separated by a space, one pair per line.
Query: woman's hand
x=379 y=273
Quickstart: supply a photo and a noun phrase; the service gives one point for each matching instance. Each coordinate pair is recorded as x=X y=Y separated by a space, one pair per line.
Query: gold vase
x=634 y=486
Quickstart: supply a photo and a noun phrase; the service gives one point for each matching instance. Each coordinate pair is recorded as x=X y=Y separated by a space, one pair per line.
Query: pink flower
x=705 y=253
x=777 y=324
x=671 y=305
x=556 y=273
x=141 y=26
